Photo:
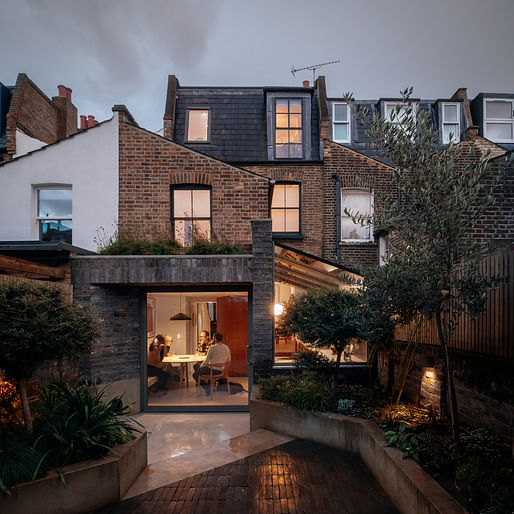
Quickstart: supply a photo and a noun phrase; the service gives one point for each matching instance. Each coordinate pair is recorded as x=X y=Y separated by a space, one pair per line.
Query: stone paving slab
x=296 y=477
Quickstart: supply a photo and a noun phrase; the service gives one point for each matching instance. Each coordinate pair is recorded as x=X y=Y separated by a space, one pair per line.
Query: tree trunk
x=336 y=371
x=22 y=388
x=450 y=386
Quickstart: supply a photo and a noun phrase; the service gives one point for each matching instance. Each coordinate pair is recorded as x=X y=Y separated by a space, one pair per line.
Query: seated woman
x=154 y=364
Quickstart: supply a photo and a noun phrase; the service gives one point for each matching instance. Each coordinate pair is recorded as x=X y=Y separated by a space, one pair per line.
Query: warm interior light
x=429 y=374
x=278 y=309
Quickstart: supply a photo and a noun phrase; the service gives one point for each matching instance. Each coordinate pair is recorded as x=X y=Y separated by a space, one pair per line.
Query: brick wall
x=354 y=171
x=310 y=177
x=149 y=164
x=484 y=386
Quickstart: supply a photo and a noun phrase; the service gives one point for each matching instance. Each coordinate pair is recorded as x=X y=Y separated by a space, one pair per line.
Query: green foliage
x=38 y=323
x=170 y=247
x=403 y=440
x=76 y=423
x=305 y=394
x=315 y=362
x=324 y=318
x=18 y=461
x=347 y=407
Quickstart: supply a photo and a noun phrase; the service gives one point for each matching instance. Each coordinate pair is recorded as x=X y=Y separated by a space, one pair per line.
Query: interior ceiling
x=200 y=296
x=306 y=271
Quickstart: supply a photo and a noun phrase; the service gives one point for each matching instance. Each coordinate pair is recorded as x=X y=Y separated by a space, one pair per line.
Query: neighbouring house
x=268 y=169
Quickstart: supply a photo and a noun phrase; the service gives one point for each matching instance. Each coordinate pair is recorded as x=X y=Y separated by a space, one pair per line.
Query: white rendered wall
x=26 y=144
x=88 y=162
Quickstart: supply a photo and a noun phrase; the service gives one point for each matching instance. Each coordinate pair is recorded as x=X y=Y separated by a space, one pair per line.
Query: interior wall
x=167 y=305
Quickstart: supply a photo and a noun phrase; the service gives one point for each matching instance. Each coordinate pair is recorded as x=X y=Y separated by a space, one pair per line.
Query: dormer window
x=395 y=112
x=288 y=129
x=341 y=122
x=450 y=125
x=499 y=120
x=198 y=125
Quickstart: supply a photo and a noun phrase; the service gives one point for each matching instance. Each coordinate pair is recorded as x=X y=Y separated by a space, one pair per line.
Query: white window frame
x=498 y=120
x=456 y=136
x=42 y=187
x=347 y=122
x=383 y=244
x=370 y=214
x=394 y=103
x=289 y=208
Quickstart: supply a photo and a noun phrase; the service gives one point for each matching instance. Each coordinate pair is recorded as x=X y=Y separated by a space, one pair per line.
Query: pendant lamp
x=180 y=316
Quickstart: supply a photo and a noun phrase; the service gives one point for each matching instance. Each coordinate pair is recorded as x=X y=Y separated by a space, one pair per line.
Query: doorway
x=181 y=328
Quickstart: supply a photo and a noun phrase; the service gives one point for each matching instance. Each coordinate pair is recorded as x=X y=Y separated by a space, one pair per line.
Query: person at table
x=155 y=368
x=217 y=355
x=204 y=342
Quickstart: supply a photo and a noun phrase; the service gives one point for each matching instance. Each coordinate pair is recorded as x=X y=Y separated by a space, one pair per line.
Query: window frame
x=173 y=218
x=336 y=122
x=295 y=234
x=456 y=138
x=370 y=239
x=209 y=124
x=498 y=120
x=289 y=128
x=38 y=218
x=394 y=103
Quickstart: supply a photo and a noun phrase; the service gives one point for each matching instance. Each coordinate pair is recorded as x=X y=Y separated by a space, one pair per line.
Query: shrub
x=19 y=462
x=303 y=394
x=76 y=424
x=347 y=407
x=314 y=361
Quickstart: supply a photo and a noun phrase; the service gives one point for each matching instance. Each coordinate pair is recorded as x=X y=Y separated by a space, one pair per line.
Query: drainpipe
x=338 y=215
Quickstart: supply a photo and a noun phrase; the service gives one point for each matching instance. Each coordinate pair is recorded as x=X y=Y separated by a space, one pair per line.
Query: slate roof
x=238 y=121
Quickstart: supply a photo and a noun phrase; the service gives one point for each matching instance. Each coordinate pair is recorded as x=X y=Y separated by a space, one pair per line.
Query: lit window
x=341 y=122
x=285 y=208
x=357 y=202
x=383 y=250
x=191 y=218
x=288 y=129
x=54 y=214
x=197 y=125
x=450 y=123
x=499 y=120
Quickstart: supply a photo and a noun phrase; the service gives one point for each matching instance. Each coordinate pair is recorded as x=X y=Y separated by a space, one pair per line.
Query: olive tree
x=325 y=318
x=439 y=197
x=39 y=323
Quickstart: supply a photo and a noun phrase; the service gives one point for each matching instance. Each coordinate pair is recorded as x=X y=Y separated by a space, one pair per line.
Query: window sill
x=356 y=241
x=196 y=142
x=285 y=235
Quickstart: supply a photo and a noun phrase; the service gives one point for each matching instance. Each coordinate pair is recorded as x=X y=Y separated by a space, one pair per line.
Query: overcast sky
x=122 y=51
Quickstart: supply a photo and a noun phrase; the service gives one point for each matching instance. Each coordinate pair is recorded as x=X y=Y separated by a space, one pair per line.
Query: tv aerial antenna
x=314 y=67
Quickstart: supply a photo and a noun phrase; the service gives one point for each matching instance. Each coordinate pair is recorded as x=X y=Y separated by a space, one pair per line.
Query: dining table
x=184 y=360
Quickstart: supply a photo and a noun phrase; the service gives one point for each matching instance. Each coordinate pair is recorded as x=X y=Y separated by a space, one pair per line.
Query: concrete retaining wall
x=409 y=487
x=89 y=485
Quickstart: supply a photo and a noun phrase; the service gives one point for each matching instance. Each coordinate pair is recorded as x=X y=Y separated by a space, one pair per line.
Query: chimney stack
x=306 y=83
x=66 y=112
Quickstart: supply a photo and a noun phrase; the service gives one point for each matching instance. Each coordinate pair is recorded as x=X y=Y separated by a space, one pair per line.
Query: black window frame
x=295 y=234
x=289 y=128
x=189 y=187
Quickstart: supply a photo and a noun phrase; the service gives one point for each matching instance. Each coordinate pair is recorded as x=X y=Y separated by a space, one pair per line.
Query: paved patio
x=295 y=477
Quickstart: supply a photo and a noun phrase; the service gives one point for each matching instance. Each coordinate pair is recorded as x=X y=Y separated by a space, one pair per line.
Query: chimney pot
x=68 y=93
x=305 y=83
x=83 y=121
x=62 y=90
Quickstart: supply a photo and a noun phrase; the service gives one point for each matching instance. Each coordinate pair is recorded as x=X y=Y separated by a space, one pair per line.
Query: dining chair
x=211 y=377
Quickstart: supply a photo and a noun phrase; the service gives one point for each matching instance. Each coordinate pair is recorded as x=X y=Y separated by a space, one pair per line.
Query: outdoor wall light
x=429 y=373
x=278 y=309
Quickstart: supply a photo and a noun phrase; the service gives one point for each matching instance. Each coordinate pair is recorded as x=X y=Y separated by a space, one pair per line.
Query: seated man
x=204 y=342
x=154 y=365
x=217 y=356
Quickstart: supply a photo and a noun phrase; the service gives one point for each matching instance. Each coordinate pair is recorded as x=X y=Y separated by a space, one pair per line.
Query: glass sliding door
x=181 y=344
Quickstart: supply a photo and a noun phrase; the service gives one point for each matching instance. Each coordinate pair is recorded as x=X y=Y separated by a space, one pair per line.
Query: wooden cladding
x=493 y=332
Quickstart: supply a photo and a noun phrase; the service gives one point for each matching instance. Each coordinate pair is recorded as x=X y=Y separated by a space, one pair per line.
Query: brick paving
x=296 y=477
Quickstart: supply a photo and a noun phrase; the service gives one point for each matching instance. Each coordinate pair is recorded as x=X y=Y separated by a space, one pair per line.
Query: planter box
x=404 y=481
x=89 y=485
